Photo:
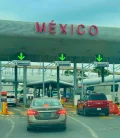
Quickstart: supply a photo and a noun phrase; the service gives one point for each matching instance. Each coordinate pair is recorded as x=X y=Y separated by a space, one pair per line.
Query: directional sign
x=99 y=58
x=22 y=63
x=101 y=64
x=62 y=57
x=62 y=63
x=21 y=56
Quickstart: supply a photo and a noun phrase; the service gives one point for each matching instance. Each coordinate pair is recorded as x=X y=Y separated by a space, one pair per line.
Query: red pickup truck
x=95 y=103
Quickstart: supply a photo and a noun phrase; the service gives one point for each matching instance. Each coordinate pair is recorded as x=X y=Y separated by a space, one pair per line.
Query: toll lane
x=74 y=129
x=104 y=127
x=77 y=125
x=5 y=126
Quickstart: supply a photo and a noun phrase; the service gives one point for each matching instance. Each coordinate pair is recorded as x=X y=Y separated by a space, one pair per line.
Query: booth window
x=116 y=88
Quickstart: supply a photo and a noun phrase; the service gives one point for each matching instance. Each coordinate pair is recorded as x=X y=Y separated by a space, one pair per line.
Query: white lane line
x=12 y=128
x=94 y=135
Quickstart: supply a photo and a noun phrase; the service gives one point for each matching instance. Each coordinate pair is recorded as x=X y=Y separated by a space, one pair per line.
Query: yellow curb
x=9 y=113
x=75 y=107
x=71 y=111
x=70 y=107
x=23 y=106
x=24 y=113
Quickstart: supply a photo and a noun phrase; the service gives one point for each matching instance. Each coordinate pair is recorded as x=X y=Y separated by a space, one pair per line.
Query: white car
x=11 y=100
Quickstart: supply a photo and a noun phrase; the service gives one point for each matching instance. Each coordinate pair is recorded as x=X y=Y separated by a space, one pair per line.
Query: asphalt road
x=14 y=126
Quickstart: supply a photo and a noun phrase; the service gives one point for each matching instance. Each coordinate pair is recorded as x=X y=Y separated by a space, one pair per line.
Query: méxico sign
x=80 y=30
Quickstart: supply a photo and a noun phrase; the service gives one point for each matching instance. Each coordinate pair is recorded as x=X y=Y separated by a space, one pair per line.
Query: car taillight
x=88 y=103
x=61 y=112
x=32 y=112
x=107 y=104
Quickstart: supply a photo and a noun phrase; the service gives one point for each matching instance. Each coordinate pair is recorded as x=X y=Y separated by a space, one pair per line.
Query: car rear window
x=42 y=102
x=54 y=93
x=10 y=96
x=97 y=97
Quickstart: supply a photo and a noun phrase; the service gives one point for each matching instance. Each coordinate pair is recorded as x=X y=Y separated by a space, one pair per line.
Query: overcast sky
x=98 y=12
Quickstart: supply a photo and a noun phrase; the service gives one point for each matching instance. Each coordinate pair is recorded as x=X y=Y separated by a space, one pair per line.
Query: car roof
x=48 y=98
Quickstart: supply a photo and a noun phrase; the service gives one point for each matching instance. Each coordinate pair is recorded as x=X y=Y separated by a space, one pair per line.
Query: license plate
x=98 y=108
x=47 y=114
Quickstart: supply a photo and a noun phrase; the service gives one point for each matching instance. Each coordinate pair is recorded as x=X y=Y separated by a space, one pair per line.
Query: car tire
x=84 y=112
x=64 y=128
x=28 y=129
x=107 y=114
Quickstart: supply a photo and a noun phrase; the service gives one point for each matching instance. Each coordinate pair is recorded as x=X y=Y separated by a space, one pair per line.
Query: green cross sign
x=62 y=57
x=99 y=57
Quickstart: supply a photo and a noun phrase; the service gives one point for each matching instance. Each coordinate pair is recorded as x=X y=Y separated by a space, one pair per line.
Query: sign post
x=24 y=84
x=82 y=80
x=50 y=88
x=43 y=81
x=20 y=56
x=0 y=86
x=16 y=81
x=23 y=63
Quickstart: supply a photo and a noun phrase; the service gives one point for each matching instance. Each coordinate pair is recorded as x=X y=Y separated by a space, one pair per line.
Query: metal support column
x=113 y=78
x=113 y=83
x=25 y=84
x=58 y=84
x=75 y=75
x=43 y=80
x=16 y=82
x=102 y=74
x=0 y=85
x=82 y=80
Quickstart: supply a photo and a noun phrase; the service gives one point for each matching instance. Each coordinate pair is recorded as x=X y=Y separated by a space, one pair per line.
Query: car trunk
x=47 y=113
x=98 y=103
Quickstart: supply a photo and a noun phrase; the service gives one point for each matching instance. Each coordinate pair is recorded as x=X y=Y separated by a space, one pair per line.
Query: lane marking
x=104 y=117
x=12 y=128
x=94 y=135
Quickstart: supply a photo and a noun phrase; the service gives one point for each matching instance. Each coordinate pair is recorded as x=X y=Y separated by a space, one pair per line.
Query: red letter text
x=52 y=27
x=95 y=30
x=78 y=29
x=39 y=28
x=63 y=29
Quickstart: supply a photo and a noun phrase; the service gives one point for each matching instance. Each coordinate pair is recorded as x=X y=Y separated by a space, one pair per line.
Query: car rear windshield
x=10 y=96
x=42 y=102
x=54 y=93
x=97 y=97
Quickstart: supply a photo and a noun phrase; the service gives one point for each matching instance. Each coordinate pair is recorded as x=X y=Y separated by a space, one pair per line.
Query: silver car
x=46 y=112
x=11 y=100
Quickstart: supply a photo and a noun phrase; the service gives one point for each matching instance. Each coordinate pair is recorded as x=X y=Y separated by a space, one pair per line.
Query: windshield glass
x=38 y=103
x=97 y=97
